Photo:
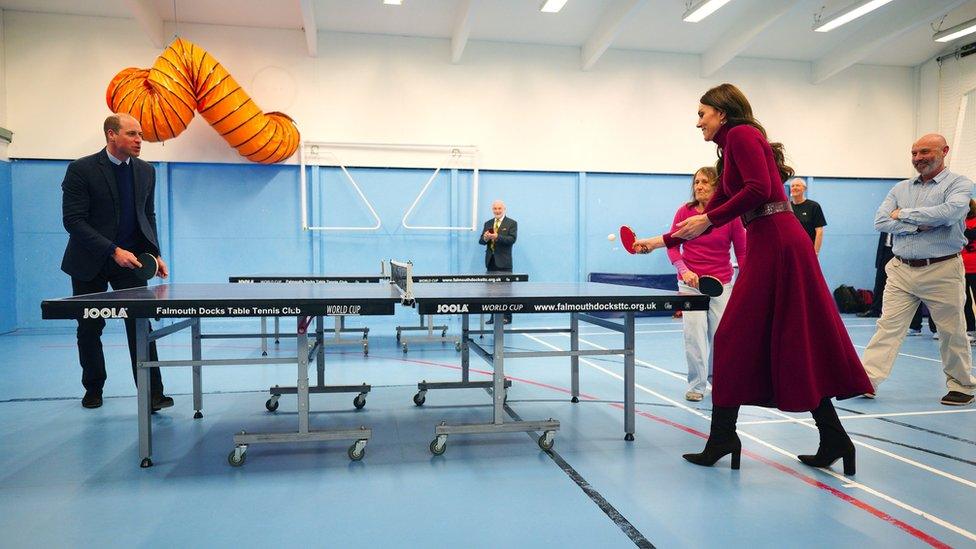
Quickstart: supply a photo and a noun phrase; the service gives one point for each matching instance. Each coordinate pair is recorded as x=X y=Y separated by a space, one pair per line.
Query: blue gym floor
x=70 y=477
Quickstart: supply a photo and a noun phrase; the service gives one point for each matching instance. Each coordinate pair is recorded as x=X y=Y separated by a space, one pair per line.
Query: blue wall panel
x=39 y=237
x=216 y=220
x=8 y=291
x=646 y=203
x=850 y=240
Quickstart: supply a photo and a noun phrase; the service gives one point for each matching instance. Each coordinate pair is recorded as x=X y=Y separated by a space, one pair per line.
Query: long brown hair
x=712 y=176
x=972 y=209
x=730 y=100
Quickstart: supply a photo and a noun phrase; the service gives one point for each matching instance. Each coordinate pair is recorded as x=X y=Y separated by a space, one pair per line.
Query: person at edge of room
x=706 y=255
x=915 y=326
x=781 y=342
x=108 y=209
x=808 y=212
x=881 y=258
x=498 y=237
x=969 y=265
x=926 y=216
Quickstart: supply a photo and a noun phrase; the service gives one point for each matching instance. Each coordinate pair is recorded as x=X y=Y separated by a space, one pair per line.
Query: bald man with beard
x=926 y=217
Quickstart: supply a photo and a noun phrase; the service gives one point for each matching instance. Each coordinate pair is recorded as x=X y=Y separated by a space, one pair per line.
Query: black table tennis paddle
x=149 y=266
x=710 y=286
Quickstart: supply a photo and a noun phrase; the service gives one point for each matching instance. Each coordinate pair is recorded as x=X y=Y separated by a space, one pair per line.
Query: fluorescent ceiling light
x=393 y=2
x=847 y=14
x=552 y=6
x=958 y=31
x=702 y=9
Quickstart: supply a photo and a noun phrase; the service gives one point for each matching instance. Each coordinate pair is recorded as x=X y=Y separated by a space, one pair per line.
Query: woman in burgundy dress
x=781 y=342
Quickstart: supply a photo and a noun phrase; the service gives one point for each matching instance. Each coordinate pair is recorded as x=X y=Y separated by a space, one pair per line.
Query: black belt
x=925 y=262
x=768 y=208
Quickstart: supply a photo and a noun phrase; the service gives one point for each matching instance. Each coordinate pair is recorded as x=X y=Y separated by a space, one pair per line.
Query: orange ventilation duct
x=187 y=78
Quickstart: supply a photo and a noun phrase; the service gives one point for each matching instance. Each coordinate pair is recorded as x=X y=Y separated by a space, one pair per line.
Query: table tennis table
x=306 y=302
x=491 y=277
x=426 y=321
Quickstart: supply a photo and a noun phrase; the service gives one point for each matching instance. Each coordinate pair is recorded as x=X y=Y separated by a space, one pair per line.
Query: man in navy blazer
x=109 y=212
x=498 y=237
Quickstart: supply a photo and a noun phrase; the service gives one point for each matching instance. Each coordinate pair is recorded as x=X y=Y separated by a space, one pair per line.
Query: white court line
x=939 y=360
x=847 y=481
x=862 y=416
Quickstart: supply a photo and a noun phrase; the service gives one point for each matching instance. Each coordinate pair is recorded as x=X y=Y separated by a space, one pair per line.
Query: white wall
x=527 y=107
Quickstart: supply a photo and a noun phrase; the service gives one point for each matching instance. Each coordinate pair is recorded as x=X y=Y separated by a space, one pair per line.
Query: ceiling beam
x=149 y=19
x=462 y=28
x=878 y=31
x=607 y=30
x=310 y=27
x=742 y=33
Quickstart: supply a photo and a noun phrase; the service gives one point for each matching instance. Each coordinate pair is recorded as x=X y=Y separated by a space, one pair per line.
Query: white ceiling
x=882 y=37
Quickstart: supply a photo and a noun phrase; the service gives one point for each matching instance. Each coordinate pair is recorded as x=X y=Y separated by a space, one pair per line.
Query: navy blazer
x=507 y=233
x=90 y=212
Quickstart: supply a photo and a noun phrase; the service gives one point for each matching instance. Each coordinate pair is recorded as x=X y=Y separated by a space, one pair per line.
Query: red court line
x=860 y=504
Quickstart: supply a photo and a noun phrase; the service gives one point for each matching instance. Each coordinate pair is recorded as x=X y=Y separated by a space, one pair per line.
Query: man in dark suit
x=109 y=212
x=498 y=237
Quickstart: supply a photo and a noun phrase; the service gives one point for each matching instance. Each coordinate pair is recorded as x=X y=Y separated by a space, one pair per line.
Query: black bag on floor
x=847 y=299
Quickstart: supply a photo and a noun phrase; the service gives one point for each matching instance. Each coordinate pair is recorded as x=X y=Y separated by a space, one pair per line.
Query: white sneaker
x=912 y=332
x=935 y=335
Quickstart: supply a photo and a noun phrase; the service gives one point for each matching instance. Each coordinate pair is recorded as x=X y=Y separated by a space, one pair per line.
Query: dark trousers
x=90 y=330
x=917 y=320
x=880 y=279
x=493 y=267
x=970 y=290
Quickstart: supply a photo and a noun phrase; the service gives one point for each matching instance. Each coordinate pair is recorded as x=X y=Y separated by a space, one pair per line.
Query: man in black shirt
x=808 y=212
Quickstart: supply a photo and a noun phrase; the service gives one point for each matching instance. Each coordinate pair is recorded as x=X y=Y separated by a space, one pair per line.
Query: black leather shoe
x=92 y=399
x=160 y=402
x=869 y=314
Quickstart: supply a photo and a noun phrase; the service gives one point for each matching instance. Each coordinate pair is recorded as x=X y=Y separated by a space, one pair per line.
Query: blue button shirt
x=940 y=204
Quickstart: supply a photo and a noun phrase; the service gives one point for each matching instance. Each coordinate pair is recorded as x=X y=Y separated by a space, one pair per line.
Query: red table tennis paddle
x=710 y=286
x=627 y=239
x=149 y=266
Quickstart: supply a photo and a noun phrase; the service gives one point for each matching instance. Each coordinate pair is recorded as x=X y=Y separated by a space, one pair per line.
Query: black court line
x=917 y=448
x=608 y=509
x=910 y=426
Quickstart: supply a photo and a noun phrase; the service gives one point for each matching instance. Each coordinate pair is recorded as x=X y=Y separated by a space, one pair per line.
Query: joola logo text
x=453 y=308
x=106 y=312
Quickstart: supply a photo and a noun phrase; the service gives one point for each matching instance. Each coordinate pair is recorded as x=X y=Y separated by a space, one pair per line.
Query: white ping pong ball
x=611 y=237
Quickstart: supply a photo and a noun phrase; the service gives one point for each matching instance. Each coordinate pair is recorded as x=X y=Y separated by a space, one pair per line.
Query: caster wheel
x=235 y=458
x=271 y=404
x=357 y=455
x=444 y=333
x=574 y=400
x=438 y=448
x=198 y=415
x=404 y=349
x=398 y=336
x=457 y=346
x=547 y=441
x=629 y=437
x=359 y=401
x=146 y=462
x=420 y=398
x=365 y=349
x=264 y=353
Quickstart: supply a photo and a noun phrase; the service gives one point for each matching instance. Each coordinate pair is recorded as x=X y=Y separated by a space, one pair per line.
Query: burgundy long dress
x=781 y=342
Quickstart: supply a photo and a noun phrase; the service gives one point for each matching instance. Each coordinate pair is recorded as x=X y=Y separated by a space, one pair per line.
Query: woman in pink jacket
x=705 y=255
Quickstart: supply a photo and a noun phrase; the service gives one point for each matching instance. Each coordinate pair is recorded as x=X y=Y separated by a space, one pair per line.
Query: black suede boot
x=722 y=439
x=834 y=442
